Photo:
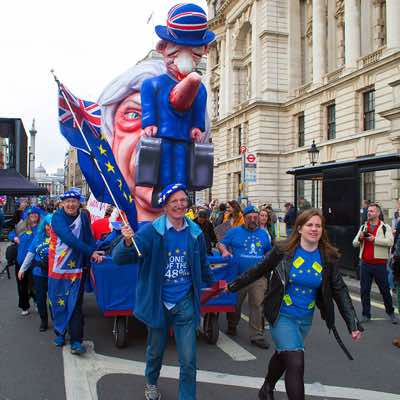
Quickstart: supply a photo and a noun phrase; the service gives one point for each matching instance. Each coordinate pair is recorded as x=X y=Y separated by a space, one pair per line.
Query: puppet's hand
x=150 y=130
x=195 y=134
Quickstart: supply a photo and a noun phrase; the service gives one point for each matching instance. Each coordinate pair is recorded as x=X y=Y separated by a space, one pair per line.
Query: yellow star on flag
x=103 y=137
x=177 y=251
x=102 y=149
x=72 y=264
x=130 y=198
x=110 y=167
x=61 y=302
x=298 y=262
x=119 y=183
x=258 y=244
x=126 y=196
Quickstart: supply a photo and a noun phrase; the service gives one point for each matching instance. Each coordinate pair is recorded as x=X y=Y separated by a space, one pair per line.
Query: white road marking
x=234 y=350
x=82 y=373
x=373 y=303
x=231 y=348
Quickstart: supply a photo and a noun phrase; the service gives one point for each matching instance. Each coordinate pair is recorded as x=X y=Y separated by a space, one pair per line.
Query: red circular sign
x=242 y=149
x=251 y=158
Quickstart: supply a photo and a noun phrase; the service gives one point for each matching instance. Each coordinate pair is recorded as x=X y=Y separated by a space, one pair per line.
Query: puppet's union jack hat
x=186 y=25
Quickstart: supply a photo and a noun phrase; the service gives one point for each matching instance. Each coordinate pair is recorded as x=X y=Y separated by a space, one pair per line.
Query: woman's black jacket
x=276 y=267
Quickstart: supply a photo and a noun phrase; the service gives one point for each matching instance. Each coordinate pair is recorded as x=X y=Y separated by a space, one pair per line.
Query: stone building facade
x=284 y=73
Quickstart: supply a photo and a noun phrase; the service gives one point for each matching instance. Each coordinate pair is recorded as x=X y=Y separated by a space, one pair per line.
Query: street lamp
x=313 y=153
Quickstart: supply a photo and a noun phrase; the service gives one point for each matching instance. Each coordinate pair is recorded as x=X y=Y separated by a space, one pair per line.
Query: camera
x=365 y=232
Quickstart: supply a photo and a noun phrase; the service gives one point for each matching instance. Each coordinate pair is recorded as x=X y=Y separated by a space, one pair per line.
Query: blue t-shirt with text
x=248 y=247
x=177 y=274
x=305 y=278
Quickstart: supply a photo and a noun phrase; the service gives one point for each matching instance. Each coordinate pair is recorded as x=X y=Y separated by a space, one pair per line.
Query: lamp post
x=313 y=154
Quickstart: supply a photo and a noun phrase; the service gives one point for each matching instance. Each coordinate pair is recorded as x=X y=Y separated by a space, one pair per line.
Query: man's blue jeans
x=379 y=273
x=182 y=319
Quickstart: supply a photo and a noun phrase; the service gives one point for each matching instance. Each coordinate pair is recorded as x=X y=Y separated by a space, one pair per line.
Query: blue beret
x=71 y=194
x=166 y=193
x=249 y=210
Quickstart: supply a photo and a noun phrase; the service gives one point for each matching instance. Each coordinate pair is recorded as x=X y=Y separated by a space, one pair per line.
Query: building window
x=300 y=130
x=369 y=110
x=368 y=185
x=331 y=120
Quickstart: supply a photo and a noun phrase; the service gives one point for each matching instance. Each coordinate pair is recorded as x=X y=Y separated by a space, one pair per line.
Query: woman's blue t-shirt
x=305 y=278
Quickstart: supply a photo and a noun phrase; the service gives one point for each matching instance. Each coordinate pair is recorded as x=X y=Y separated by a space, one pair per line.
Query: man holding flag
x=71 y=248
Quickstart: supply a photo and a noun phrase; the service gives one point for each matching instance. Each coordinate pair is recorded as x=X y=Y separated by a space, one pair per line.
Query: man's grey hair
x=125 y=85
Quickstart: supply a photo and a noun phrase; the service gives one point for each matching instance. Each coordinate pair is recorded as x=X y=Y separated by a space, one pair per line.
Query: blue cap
x=71 y=194
x=168 y=191
x=249 y=210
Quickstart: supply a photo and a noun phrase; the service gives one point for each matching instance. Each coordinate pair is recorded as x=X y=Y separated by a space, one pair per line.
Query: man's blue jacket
x=151 y=242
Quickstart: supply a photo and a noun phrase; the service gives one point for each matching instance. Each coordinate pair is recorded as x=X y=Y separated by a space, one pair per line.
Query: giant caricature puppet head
x=121 y=122
x=121 y=111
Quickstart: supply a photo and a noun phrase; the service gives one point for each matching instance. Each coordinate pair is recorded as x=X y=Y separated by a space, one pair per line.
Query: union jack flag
x=87 y=114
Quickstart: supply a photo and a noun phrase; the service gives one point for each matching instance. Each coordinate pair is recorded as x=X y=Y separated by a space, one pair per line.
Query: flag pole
x=94 y=158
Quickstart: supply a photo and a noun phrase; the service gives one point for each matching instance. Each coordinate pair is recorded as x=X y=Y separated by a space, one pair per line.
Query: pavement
x=32 y=368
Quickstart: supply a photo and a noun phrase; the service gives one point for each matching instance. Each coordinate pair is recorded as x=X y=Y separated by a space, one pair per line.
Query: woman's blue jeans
x=183 y=321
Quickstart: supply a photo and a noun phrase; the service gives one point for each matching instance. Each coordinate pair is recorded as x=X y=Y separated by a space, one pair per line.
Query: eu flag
x=95 y=156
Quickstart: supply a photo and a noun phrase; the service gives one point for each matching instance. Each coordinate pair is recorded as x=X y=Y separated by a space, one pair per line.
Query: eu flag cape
x=65 y=275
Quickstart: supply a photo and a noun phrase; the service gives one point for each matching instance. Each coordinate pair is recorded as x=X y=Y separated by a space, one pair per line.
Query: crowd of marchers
x=285 y=274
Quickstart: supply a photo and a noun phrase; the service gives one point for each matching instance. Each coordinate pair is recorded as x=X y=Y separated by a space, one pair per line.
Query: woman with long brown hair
x=302 y=273
x=234 y=213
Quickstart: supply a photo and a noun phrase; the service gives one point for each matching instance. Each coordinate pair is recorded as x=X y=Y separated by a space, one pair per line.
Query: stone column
x=378 y=24
x=294 y=46
x=222 y=80
x=352 y=33
x=255 y=74
x=228 y=83
x=319 y=40
x=393 y=24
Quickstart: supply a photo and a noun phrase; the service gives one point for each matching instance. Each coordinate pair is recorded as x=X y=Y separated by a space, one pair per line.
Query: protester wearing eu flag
x=248 y=243
x=71 y=247
x=31 y=219
x=172 y=268
x=37 y=260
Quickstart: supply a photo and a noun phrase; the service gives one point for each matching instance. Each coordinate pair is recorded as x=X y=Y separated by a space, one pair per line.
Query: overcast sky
x=86 y=42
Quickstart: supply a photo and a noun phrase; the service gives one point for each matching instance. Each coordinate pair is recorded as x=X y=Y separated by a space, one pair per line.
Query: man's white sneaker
x=151 y=392
x=25 y=312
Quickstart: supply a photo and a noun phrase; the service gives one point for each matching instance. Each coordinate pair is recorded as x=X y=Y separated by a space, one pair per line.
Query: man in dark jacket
x=173 y=263
x=290 y=218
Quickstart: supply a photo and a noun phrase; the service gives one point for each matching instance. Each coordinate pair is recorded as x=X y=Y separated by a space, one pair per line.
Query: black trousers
x=23 y=288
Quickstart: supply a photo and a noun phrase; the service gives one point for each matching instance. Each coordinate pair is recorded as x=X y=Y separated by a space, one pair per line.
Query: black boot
x=43 y=325
x=266 y=392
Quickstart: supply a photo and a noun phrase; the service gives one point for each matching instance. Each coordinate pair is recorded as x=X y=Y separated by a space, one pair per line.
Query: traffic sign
x=250 y=173
x=242 y=149
x=251 y=158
